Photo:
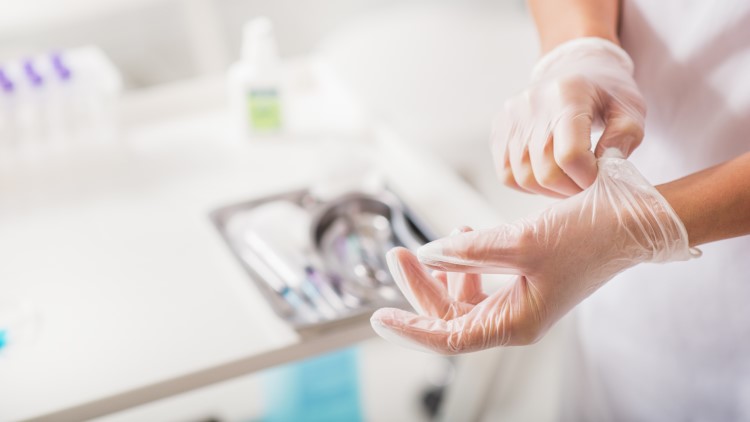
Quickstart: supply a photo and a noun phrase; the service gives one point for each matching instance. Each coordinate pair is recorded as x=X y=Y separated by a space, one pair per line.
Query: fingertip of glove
x=382 y=321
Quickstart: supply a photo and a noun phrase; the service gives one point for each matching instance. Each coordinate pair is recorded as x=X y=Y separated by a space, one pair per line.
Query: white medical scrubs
x=672 y=342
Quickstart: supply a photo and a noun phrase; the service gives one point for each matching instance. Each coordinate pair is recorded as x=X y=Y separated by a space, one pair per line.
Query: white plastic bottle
x=254 y=83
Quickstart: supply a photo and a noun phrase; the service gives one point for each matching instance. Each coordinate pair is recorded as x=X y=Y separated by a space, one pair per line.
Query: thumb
x=494 y=250
x=623 y=130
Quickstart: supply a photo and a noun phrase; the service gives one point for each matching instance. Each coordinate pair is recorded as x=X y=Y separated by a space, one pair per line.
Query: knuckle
x=571 y=84
x=567 y=157
x=526 y=180
x=506 y=176
x=627 y=122
x=547 y=175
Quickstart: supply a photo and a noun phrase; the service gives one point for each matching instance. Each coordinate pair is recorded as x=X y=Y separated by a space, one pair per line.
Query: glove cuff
x=678 y=250
x=580 y=48
x=659 y=228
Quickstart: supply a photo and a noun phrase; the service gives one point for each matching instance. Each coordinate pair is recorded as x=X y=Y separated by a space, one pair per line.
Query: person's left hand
x=560 y=257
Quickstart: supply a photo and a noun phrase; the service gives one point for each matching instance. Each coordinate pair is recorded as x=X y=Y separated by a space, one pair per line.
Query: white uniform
x=672 y=342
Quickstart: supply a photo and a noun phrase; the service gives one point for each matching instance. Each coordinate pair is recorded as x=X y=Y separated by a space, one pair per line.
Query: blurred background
x=433 y=73
x=436 y=71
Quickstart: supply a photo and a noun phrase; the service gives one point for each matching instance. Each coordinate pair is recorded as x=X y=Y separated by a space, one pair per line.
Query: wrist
x=713 y=203
x=561 y=21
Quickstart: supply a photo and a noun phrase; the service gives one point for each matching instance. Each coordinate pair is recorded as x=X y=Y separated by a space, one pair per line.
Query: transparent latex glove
x=541 y=142
x=560 y=257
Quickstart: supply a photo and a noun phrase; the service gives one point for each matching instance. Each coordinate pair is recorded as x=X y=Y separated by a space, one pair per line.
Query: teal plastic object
x=321 y=389
x=3 y=338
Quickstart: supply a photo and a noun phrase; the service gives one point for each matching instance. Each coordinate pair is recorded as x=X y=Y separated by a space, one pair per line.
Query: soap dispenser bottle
x=254 y=83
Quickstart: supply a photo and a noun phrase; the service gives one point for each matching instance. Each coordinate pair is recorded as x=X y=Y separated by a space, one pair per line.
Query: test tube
x=61 y=69
x=31 y=74
x=7 y=121
x=29 y=108
x=60 y=99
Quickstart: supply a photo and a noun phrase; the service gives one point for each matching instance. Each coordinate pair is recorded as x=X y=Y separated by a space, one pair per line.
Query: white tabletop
x=137 y=296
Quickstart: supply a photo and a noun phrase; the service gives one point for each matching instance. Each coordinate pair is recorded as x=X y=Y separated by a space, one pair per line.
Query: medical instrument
x=320 y=261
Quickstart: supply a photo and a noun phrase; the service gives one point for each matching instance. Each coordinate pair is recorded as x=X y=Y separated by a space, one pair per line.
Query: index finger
x=572 y=148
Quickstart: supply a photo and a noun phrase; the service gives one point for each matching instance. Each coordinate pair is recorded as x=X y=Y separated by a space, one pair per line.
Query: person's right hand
x=560 y=257
x=541 y=142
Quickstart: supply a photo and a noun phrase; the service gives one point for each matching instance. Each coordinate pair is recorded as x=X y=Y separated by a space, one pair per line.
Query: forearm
x=713 y=204
x=558 y=21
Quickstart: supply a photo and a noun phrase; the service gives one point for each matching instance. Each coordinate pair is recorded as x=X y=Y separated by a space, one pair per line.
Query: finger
x=442 y=277
x=511 y=316
x=487 y=325
x=504 y=129
x=431 y=334
x=623 y=130
x=546 y=171
x=427 y=295
x=463 y=287
x=497 y=250
x=423 y=333
x=572 y=147
x=507 y=177
x=523 y=174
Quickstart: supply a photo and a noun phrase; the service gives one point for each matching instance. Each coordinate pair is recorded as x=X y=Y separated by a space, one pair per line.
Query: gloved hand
x=561 y=257
x=541 y=142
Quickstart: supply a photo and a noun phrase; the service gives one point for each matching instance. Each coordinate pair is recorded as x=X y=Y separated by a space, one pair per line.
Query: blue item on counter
x=321 y=389
x=3 y=338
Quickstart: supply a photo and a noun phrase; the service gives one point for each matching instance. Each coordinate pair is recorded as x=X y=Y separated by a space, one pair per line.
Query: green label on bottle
x=264 y=107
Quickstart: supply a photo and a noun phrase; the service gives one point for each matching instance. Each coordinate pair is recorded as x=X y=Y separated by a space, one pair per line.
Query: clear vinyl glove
x=541 y=141
x=560 y=257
